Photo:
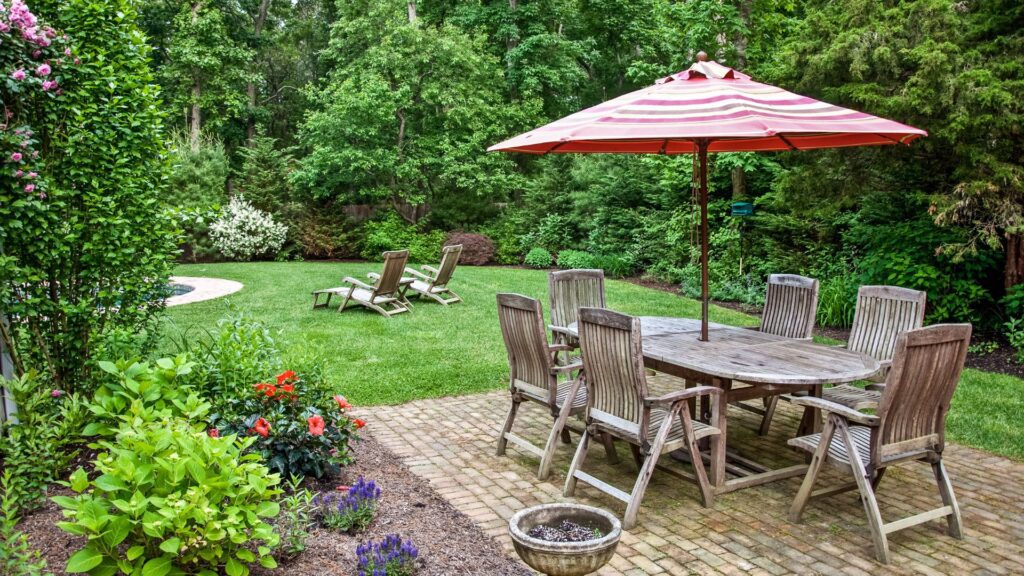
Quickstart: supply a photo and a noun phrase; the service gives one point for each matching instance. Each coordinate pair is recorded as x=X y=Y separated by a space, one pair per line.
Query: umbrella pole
x=702 y=151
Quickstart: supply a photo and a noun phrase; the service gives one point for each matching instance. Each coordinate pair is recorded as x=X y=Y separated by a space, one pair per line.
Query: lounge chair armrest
x=560 y=348
x=418 y=274
x=575 y=366
x=837 y=409
x=354 y=282
x=431 y=269
x=561 y=330
x=677 y=395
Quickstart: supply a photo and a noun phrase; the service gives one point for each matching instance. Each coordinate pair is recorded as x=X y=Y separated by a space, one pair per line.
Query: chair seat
x=676 y=436
x=578 y=403
x=852 y=397
x=357 y=294
x=421 y=286
x=837 y=449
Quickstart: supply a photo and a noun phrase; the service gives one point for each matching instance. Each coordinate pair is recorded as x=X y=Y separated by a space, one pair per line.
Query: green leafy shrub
x=17 y=558
x=391 y=233
x=575 y=259
x=477 y=249
x=169 y=498
x=537 y=258
x=553 y=232
x=614 y=266
x=837 y=301
x=294 y=428
x=263 y=175
x=327 y=232
x=1014 y=330
x=508 y=245
x=293 y=523
x=199 y=173
x=37 y=448
x=1013 y=301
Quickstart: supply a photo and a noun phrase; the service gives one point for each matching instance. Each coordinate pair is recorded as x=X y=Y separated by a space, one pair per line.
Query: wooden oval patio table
x=765 y=361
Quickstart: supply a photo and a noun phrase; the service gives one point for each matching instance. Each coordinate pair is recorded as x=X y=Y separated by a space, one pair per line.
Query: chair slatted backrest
x=449 y=259
x=570 y=290
x=613 y=366
x=394 y=266
x=790 y=305
x=882 y=313
x=926 y=368
x=522 y=327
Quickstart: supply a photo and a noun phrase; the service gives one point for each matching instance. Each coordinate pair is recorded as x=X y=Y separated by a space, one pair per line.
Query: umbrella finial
x=702 y=56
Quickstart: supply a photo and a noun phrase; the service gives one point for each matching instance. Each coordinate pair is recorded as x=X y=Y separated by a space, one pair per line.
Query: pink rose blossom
x=36 y=54
x=57 y=393
x=18 y=74
x=78 y=61
x=30 y=187
x=33 y=175
x=4 y=27
x=16 y=157
x=35 y=154
x=24 y=144
x=49 y=85
x=43 y=70
x=18 y=174
x=67 y=51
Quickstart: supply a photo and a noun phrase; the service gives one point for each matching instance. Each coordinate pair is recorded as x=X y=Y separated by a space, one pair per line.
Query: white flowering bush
x=243 y=232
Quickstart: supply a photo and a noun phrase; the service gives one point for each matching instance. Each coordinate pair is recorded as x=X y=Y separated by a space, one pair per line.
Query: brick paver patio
x=450 y=442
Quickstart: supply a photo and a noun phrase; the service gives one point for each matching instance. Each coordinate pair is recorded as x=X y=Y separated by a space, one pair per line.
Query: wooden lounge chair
x=534 y=376
x=568 y=291
x=434 y=284
x=618 y=406
x=384 y=296
x=909 y=426
x=790 y=306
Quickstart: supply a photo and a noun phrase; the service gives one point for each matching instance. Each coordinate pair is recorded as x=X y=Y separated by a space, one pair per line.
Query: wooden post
x=7 y=408
x=702 y=150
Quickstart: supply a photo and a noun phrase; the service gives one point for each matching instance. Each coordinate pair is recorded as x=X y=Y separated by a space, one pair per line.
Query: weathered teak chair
x=434 y=284
x=882 y=313
x=568 y=291
x=384 y=296
x=909 y=426
x=619 y=406
x=534 y=376
x=790 y=306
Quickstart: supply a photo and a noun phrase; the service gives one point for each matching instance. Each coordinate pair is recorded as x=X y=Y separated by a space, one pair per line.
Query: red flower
x=261 y=427
x=213 y=432
x=316 y=425
x=268 y=389
x=359 y=422
x=286 y=376
x=342 y=403
x=286 y=388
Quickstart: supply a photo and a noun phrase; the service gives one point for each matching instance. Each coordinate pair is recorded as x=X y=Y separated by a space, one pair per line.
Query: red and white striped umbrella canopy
x=716 y=104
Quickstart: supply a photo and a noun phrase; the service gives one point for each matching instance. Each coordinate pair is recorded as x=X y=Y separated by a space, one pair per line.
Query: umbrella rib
x=890 y=138
x=786 y=142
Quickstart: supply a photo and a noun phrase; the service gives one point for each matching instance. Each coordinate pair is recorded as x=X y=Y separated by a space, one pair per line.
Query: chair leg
x=637 y=456
x=878 y=478
x=953 y=521
x=577 y=463
x=609 y=448
x=566 y=439
x=707 y=494
x=769 y=412
x=556 y=431
x=867 y=495
x=646 y=471
x=804 y=494
x=503 y=440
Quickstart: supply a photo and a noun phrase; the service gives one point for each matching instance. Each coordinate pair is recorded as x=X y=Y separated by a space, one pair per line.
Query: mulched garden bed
x=448 y=541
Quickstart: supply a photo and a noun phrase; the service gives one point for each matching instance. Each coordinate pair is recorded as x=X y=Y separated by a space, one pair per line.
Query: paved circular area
x=202 y=289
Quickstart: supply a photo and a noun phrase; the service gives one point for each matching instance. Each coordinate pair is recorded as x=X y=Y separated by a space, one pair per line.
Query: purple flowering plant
x=390 y=557
x=351 y=510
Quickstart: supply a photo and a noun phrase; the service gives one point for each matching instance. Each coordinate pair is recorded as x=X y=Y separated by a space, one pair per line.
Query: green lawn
x=438 y=351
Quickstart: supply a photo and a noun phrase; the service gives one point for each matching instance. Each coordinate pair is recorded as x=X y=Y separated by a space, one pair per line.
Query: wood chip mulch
x=448 y=541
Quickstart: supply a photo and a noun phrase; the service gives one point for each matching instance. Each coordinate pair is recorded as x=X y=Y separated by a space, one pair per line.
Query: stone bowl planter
x=565 y=558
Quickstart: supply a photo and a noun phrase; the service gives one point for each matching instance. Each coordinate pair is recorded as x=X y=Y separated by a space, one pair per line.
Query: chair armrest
x=560 y=348
x=838 y=409
x=575 y=366
x=677 y=395
x=431 y=269
x=359 y=283
x=418 y=274
x=561 y=330
x=876 y=387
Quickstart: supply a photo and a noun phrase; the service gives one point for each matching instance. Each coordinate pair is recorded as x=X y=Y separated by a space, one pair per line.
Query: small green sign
x=742 y=209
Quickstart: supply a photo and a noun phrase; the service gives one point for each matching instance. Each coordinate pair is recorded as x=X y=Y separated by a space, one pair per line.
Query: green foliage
x=263 y=176
x=199 y=174
x=327 y=232
x=1014 y=330
x=837 y=300
x=352 y=511
x=296 y=428
x=17 y=558
x=294 y=522
x=40 y=442
x=390 y=232
x=168 y=498
x=95 y=252
x=614 y=266
x=538 y=258
x=570 y=259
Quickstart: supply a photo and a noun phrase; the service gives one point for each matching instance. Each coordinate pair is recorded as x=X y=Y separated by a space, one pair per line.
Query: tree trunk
x=411 y=5
x=739 y=183
x=1013 y=272
x=740 y=42
x=250 y=89
x=195 y=119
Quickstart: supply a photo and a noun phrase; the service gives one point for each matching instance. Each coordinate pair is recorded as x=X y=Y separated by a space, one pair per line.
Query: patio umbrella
x=709 y=108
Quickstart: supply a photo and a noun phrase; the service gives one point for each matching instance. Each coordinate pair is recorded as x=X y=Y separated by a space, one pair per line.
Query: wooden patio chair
x=790 y=306
x=385 y=296
x=535 y=377
x=568 y=291
x=618 y=406
x=909 y=426
x=434 y=284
